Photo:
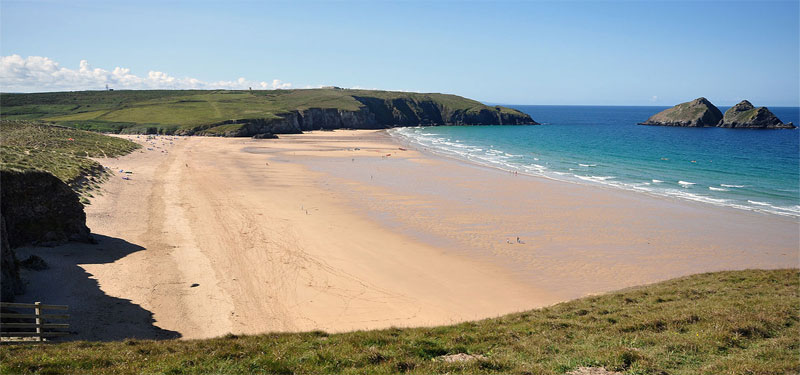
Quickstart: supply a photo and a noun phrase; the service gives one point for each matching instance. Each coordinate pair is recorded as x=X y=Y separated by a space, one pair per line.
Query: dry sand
x=306 y=232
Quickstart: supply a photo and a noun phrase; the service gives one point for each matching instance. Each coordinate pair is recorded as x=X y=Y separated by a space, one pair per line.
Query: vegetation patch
x=739 y=322
x=63 y=152
x=196 y=111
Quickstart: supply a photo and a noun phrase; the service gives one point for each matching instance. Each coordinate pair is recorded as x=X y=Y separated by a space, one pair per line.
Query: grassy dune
x=742 y=322
x=170 y=111
x=61 y=151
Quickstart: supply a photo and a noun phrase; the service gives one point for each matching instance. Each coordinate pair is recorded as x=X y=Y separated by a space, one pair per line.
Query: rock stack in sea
x=696 y=113
x=745 y=115
x=701 y=113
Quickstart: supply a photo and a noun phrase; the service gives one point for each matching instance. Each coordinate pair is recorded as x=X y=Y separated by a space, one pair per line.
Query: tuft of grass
x=738 y=322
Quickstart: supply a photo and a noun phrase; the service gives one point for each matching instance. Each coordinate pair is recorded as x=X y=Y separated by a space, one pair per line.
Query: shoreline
x=323 y=231
x=676 y=230
x=707 y=201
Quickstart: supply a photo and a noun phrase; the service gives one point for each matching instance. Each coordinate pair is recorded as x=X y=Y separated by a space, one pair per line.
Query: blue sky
x=526 y=52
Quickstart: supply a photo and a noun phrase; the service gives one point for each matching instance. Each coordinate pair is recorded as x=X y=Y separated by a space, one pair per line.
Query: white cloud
x=37 y=73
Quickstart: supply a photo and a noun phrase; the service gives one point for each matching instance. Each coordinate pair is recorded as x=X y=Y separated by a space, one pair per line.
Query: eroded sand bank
x=325 y=231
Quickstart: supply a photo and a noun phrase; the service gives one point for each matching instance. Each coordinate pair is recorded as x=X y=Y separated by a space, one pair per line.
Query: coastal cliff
x=745 y=115
x=251 y=113
x=697 y=113
x=38 y=208
x=43 y=171
x=374 y=114
x=701 y=113
x=10 y=282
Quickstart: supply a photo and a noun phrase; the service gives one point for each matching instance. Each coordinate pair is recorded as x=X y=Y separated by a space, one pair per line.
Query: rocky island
x=700 y=113
x=745 y=115
x=697 y=113
x=243 y=113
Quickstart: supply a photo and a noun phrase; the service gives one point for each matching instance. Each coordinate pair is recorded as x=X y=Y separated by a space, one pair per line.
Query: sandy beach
x=351 y=230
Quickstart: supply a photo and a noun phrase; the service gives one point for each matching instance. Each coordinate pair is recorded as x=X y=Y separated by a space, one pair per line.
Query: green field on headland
x=200 y=112
x=740 y=322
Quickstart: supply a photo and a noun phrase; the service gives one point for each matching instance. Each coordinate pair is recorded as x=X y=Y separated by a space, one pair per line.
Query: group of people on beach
x=518 y=241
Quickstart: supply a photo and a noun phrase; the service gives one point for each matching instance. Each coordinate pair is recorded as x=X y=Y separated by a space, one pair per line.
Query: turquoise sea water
x=747 y=169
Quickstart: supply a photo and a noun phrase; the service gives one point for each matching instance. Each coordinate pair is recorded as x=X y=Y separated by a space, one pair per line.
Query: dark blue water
x=747 y=169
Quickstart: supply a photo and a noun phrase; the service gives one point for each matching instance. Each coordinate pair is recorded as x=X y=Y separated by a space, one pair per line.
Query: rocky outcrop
x=745 y=115
x=701 y=113
x=375 y=113
x=38 y=208
x=10 y=283
x=696 y=113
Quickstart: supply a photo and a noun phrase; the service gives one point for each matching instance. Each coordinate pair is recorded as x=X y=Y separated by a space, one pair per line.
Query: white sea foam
x=595 y=178
x=502 y=160
x=791 y=210
x=694 y=197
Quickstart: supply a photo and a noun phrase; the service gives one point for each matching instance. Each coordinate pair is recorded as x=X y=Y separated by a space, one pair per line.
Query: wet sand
x=325 y=231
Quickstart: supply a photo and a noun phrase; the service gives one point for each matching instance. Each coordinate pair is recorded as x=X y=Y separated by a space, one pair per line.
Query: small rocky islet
x=700 y=113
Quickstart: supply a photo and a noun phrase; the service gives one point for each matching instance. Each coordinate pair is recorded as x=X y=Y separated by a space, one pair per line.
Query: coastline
x=324 y=231
x=671 y=187
x=613 y=234
x=406 y=142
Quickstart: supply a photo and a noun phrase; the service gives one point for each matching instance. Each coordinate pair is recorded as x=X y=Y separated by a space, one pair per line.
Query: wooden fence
x=35 y=325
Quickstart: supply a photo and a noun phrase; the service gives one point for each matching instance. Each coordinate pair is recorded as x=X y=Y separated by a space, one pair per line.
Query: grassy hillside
x=169 y=111
x=743 y=322
x=61 y=151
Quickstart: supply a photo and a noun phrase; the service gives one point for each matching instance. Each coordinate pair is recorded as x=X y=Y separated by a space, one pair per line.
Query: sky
x=511 y=52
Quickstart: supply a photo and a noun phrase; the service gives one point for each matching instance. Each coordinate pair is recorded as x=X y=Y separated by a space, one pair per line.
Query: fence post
x=38 y=321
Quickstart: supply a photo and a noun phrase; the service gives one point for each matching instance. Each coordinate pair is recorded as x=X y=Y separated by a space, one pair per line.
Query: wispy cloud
x=37 y=73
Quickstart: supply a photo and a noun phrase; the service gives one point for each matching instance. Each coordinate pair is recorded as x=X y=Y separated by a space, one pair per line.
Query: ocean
x=755 y=170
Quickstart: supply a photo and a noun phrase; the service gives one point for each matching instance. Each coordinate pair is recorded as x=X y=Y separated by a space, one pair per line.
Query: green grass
x=683 y=111
x=64 y=152
x=192 y=110
x=743 y=322
x=742 y=116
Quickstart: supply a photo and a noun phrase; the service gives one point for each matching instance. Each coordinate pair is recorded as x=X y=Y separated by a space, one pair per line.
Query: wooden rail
x=40 y=327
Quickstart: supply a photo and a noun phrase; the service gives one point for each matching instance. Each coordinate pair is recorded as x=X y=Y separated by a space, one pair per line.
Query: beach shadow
x=94 y=315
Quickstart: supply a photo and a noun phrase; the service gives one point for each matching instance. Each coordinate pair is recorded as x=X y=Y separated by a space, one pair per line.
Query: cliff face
x=35 y=208
x=405 y=112
x=375 y=113
x=745 y=115
x=697 y=113
x=38 y=208
x=10 y=283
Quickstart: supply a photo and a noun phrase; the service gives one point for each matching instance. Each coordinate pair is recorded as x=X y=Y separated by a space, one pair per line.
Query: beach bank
x=350 y=230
